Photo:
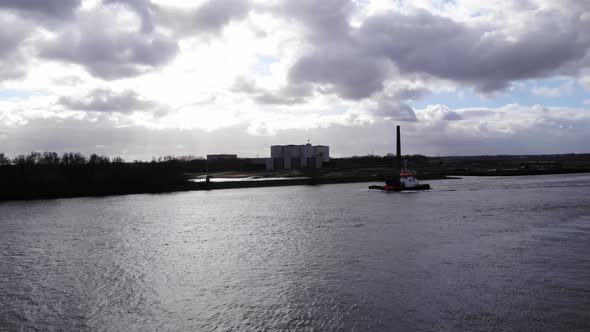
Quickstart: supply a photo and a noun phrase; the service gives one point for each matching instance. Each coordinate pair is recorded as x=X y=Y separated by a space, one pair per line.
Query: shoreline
x=311 y=181
x=515 y=172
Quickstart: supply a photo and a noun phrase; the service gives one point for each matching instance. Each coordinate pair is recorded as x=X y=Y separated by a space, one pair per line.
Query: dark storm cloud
x=438 y=46
x=107 y=52
x=337 y=61
x=57 y=9
x=110 y=52
x=12 y=61
x=344 y=68
x=11 y=35
x=323 y=20
x=103 y=100
x=91 y=39
x=401 y=92
x=19 y=19
x=483 y=56
x=210 y=17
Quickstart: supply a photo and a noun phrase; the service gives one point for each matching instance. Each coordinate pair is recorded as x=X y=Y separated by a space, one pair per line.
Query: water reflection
x=472 y=254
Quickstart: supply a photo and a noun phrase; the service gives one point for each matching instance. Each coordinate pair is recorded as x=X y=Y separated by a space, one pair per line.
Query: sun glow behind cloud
x=275 y=70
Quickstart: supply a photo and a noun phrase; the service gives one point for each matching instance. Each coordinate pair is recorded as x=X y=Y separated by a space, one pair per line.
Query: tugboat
x=407 y=178
x=406 y=181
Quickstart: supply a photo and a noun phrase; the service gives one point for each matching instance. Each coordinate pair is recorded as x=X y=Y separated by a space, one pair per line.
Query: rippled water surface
x=472 y=254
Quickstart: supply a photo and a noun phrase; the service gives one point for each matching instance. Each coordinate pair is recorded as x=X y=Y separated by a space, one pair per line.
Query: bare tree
x=33 y=158
x=70 y=158
x=4 y=160
x=20 y=160
x=49 y=158
x=95 y=159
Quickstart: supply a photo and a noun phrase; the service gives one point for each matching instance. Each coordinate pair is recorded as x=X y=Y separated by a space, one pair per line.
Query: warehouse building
x=298 y=156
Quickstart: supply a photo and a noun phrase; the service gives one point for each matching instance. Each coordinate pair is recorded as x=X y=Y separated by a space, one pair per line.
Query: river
x=498 y=253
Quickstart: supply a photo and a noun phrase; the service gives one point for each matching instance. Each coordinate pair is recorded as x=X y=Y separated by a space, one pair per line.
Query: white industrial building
x=298 y=156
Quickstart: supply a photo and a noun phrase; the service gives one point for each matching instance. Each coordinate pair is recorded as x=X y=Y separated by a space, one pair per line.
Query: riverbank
x=515 y=172
x=72 y=175
x=367 y=178
x=90 y=191
x=243 y=180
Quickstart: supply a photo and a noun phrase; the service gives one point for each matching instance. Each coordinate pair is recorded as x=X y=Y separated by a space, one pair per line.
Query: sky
x=141 y=78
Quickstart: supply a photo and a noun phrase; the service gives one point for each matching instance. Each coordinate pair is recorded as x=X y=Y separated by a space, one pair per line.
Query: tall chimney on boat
x=399 y=151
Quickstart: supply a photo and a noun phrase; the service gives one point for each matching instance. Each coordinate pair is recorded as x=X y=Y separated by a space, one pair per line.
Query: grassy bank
x=40 y=176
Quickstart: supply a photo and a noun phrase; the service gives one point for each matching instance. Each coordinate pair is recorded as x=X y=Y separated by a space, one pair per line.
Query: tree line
x=76 y=158
x=71 y=174
x=53 y=158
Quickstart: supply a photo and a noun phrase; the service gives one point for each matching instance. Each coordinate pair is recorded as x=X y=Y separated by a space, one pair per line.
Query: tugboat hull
x=396 y=189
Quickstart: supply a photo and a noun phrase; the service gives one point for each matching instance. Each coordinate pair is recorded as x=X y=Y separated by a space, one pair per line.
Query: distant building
x=259 y=163
x=212 y=157
x=298 y=156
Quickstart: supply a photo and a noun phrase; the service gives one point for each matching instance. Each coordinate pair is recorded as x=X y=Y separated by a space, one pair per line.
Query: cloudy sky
x=141 y=78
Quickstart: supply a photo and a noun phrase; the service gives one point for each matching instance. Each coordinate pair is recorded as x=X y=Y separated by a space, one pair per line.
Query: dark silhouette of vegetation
x=50 y=175
x=4 y=160
x=377 y=161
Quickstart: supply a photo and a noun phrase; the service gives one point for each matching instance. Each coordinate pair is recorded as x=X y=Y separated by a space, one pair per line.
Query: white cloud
x=434 y=113
x=155 y=68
